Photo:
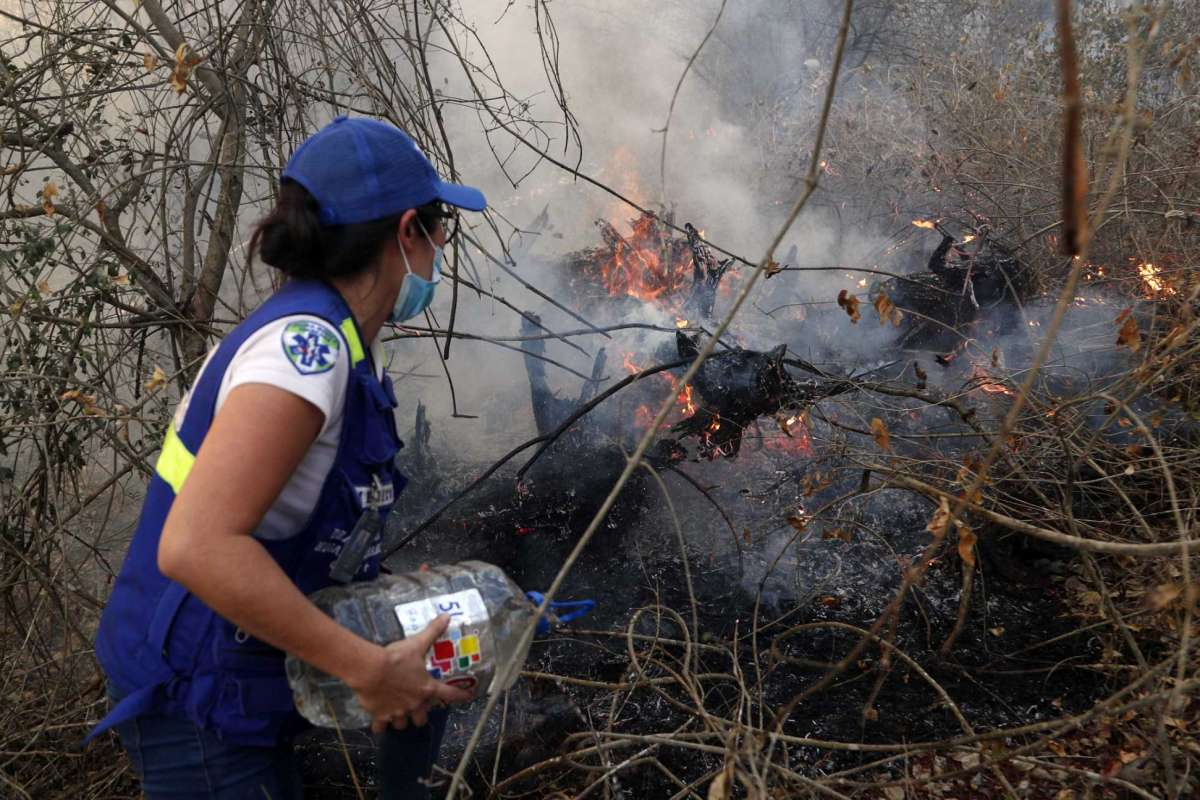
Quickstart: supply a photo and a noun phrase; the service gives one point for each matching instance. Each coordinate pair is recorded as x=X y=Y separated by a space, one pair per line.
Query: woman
x=283 y=447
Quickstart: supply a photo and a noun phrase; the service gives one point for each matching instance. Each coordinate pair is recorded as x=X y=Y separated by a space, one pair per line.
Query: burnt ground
x=1000 y=673
x=1022 y=656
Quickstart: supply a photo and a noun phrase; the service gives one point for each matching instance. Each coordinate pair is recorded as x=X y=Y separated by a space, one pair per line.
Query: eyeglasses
x=437 y=213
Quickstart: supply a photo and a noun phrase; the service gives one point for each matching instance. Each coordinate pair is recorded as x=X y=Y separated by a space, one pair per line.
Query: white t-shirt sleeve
x=306 y=356
x=300 y=354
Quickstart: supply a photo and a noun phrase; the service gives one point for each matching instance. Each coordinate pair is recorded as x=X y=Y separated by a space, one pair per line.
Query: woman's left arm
x=256 y=441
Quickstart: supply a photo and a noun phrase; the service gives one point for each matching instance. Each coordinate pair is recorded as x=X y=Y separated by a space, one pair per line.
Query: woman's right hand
x=397 y=688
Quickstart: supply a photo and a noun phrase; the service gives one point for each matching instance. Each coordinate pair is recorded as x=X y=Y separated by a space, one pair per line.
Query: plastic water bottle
x=487 y=612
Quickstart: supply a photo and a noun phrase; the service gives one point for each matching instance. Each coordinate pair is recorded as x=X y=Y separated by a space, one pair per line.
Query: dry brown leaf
x=887 y=310
x=719 y=788
x=122 y=279
x=151 y=62
x=922 y=375
x=940 y=519
x=44 y=286
x=773 y=268
x=157 y=380
x=796 y=520
x=849 y=302
x=966 y=545
x=879 y=433
x=870 y=714
x=49 y=192
x=814 y=482
x=969 y=469
x=1163 y=595
x=838 y=533
x=88 y=401
x=184 y=62
x=1128 y=334
x=1175 y=337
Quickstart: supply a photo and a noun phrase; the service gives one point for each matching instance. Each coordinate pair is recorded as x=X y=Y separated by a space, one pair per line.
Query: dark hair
x=292 y=239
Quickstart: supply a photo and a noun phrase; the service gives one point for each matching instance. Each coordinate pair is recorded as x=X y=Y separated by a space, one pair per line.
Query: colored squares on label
x=443 y=650
x=468 y=646
x=435 y=673
x=475 y=658
x=464 y=662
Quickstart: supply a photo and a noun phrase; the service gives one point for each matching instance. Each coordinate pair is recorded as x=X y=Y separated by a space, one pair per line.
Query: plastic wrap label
x=460 y=652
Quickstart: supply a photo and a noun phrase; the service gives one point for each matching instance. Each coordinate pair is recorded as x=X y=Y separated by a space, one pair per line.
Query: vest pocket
x=178 y=629
x=255 y=696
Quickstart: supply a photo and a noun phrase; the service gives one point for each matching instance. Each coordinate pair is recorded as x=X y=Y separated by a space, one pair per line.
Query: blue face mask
x=416 y=293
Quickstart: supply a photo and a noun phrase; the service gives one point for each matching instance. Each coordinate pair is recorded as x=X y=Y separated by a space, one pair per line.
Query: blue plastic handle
x=577 y=608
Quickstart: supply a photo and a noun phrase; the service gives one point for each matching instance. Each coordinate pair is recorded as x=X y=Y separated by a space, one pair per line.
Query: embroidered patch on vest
x=310 y=346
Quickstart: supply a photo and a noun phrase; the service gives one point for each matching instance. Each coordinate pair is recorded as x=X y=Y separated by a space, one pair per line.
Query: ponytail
x=292 y=239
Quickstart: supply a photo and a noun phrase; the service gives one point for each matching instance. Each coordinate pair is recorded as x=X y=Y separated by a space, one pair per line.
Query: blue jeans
x=176 y=760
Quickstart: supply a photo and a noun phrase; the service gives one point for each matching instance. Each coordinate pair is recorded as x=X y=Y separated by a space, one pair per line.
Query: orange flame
x=927 y=224
x=987 y=383
x=643 y=415
x=1153 y=281
x=797 y=441
x=641 y=264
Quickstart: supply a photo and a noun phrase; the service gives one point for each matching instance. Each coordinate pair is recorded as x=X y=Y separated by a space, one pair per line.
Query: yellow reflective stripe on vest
x=350 y=331
x=175 y=462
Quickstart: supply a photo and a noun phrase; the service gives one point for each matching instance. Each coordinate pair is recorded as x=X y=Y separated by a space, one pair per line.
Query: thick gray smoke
x=738 y=145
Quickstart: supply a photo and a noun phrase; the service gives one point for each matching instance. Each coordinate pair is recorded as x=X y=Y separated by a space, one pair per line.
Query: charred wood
x=738 y=386
x=706 y=274
x=962 y=283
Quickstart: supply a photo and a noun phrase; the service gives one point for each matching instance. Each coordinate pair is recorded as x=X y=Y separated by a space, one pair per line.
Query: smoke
x=737 y=146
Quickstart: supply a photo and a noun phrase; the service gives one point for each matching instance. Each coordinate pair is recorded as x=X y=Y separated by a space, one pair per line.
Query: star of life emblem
x=310 y=346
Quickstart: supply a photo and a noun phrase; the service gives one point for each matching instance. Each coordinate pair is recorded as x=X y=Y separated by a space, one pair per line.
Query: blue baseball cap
x=361 y=169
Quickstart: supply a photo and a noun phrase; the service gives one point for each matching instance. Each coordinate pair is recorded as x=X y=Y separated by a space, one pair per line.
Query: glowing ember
x=797 y=440
x=1153 y=281
x=644 y=416
x=927 y=224
x=627 y=363
x=862 y=283
x=681 y=323
x=970 y=237
x=987 y=383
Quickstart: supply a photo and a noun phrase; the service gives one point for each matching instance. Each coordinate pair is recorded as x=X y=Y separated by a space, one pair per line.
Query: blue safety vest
x=161 y=647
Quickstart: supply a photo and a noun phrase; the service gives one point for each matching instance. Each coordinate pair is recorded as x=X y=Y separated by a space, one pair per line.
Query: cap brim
x=466 y=197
